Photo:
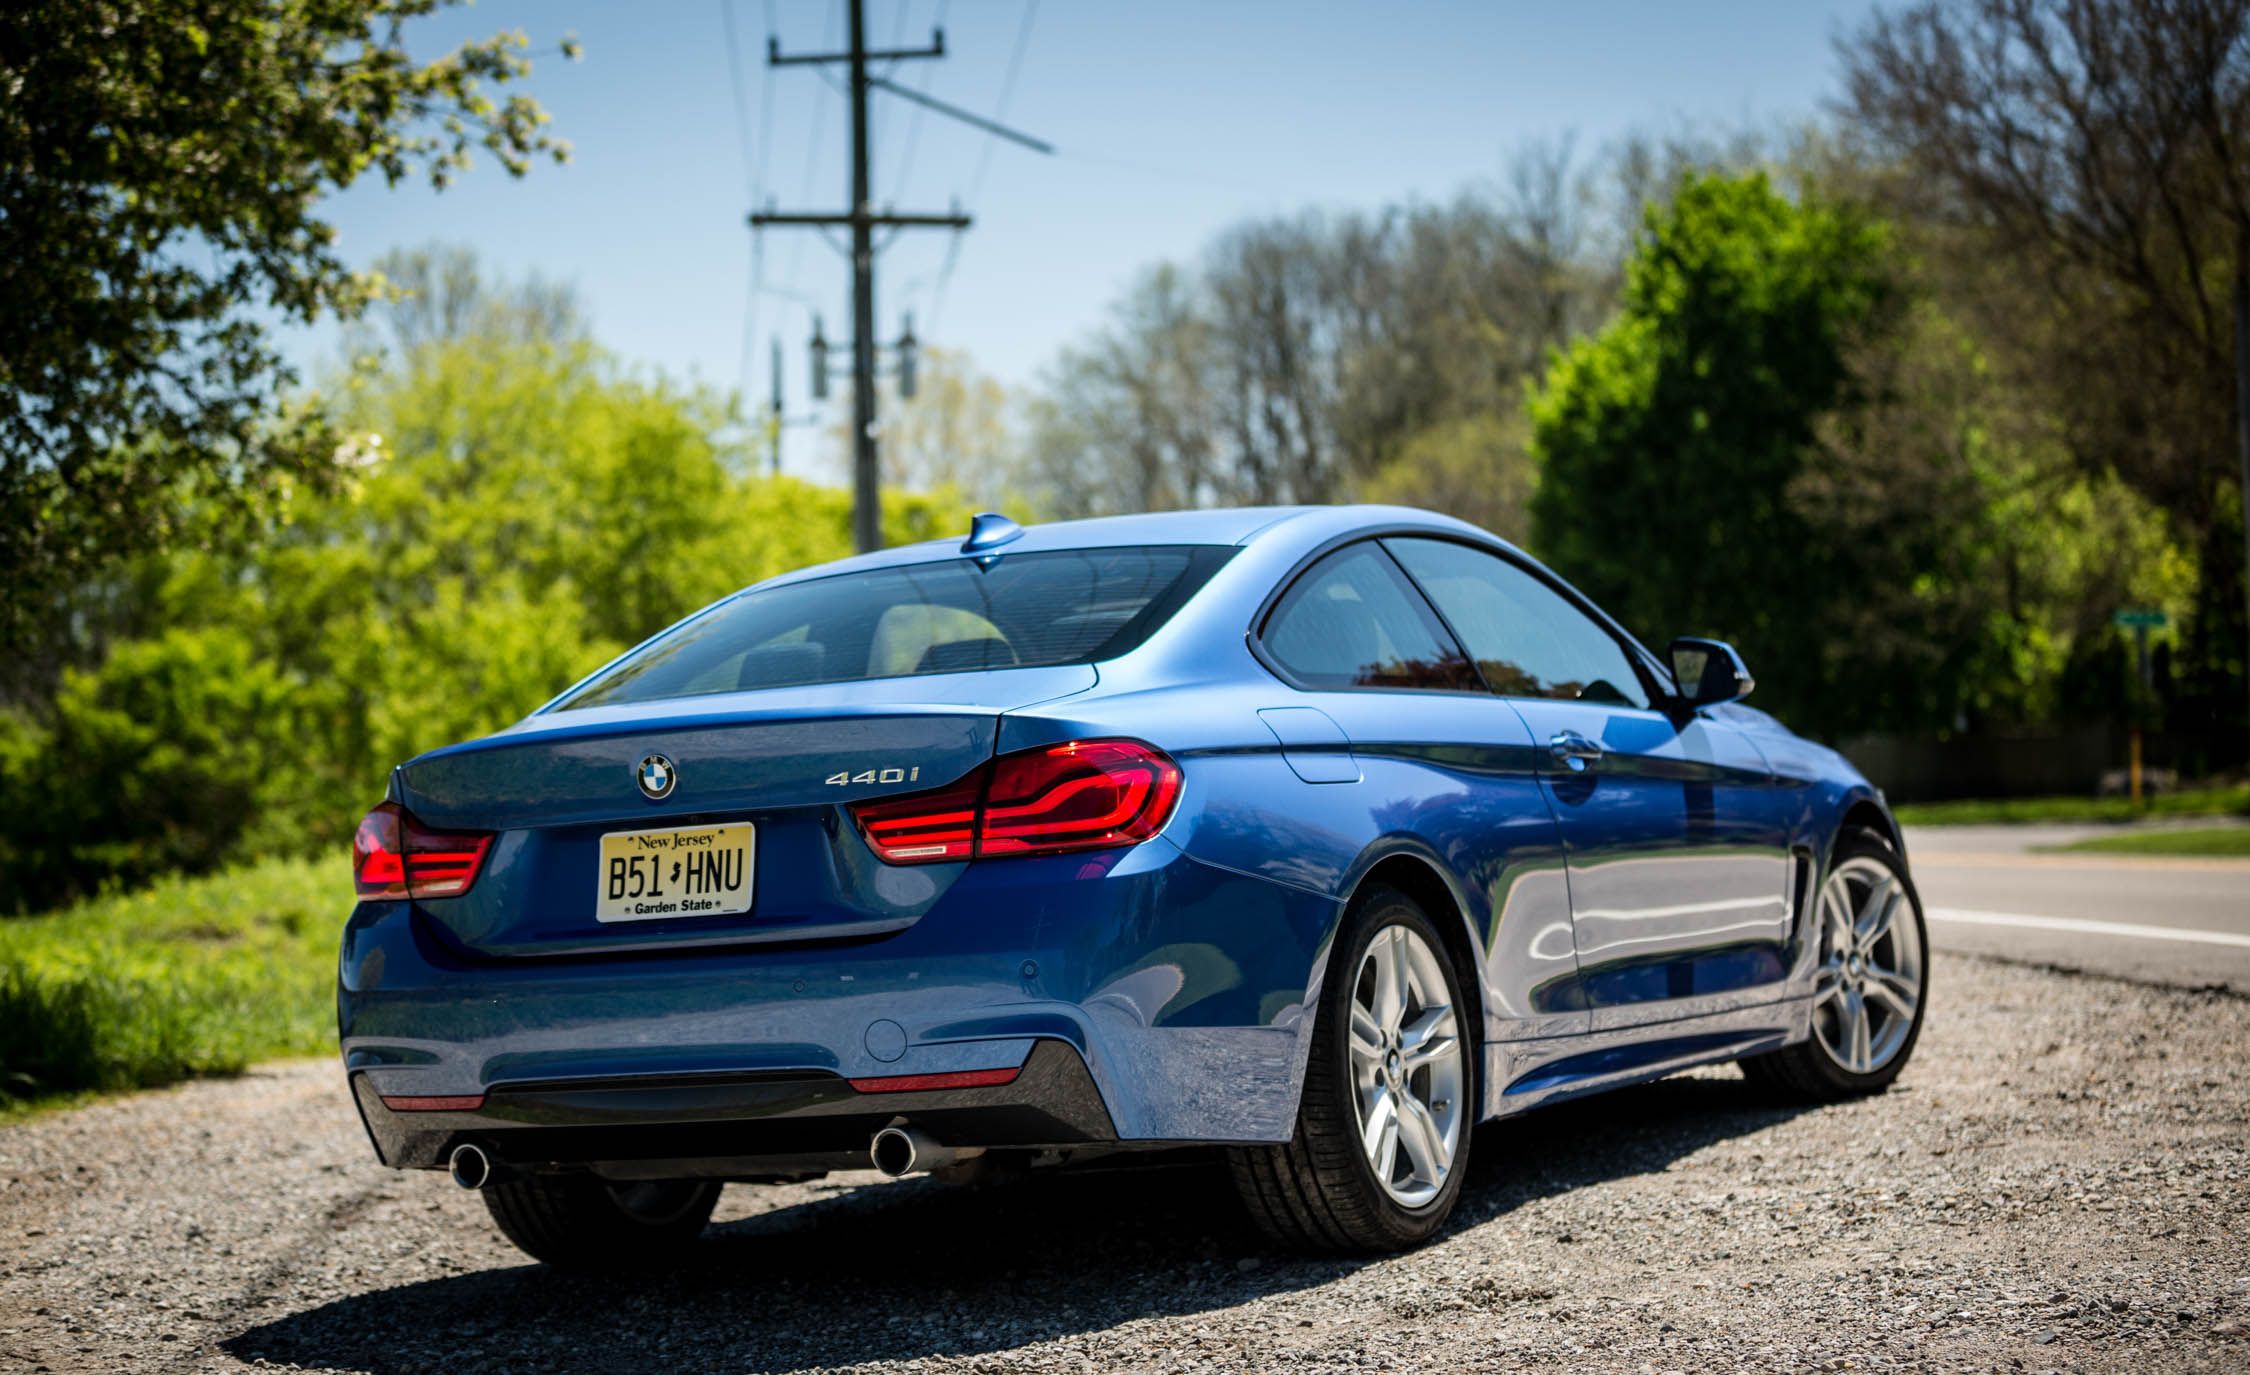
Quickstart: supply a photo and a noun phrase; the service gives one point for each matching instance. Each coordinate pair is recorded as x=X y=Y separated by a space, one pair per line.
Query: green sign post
x=2140 y=620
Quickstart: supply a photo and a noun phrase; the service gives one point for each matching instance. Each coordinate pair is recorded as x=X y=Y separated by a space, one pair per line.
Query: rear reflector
x=958 y=1079
x=464 y=1102
x=1085 y=795
x=395 y=856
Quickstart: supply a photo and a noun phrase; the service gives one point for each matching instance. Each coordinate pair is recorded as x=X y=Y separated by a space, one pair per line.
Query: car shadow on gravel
x=917 y=1269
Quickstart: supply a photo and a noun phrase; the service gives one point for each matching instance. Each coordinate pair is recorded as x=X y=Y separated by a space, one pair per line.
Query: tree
x=955 y=432
x=1479 y=468
x=1669 y=441
x=161 y=168
x=515 y=507
x=1306 y=354
x=2105 y=147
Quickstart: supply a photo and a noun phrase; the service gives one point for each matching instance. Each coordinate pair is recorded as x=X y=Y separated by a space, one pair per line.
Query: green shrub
x=514 y=513
x=185 y=977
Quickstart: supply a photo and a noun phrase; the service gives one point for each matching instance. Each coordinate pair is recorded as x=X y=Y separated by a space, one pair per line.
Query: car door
x=1434 y=757
x=1675 y=832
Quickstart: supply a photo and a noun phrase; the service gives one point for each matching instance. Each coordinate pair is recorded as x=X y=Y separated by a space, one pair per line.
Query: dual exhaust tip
x=471 y=1166
x=895 y=1151
x=900 y=1150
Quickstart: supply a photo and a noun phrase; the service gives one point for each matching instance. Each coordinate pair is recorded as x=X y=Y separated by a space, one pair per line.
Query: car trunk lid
x=785 y=761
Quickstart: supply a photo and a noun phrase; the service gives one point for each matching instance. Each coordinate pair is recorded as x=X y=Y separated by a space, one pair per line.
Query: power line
x=913 y=141
x=812 y=145
x=1007 y=96
x=984 y=162
x=898 y=39
x=741 y=100
x=750 y=168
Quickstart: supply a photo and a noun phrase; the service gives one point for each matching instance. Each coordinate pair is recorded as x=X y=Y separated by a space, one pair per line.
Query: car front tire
x=581 y=1222
x=1389 y=1102
x=1871 y=987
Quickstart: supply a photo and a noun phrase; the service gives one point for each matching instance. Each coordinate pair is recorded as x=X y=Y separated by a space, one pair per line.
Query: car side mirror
x=1709 y=672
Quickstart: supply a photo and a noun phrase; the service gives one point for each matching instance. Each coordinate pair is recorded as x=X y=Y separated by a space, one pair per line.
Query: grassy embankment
x=2226 y=842
x=2233 y=801
x=186 y=977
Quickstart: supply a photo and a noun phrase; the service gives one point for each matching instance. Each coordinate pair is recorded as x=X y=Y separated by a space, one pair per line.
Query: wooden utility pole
x=863 y=220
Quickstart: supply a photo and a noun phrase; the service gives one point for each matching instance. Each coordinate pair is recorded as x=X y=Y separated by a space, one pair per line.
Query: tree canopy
x=514 y=508
x=161 y=172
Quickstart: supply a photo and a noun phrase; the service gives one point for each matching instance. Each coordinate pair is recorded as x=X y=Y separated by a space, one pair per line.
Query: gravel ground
x=2058 y=1183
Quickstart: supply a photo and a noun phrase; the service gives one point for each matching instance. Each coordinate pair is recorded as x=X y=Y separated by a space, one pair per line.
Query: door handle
x=1574 y=751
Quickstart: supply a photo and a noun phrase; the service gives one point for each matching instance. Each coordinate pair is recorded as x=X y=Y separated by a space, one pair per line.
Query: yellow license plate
x=699 y=871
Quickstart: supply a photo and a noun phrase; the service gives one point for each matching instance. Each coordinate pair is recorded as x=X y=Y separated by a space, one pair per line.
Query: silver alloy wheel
x=1406 y=1066
x=1869 y=983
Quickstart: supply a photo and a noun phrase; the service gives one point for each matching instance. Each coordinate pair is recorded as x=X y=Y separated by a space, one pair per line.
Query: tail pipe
x=472 y=1166
x=901 y=1150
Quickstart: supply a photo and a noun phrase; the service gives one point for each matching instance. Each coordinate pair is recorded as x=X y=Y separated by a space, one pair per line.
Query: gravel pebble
x=2056 y=1184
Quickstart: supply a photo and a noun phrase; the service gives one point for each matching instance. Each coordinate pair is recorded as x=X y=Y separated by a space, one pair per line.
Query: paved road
x=1989 y=890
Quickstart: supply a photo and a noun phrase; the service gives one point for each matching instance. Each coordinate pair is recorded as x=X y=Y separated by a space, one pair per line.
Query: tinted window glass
x=1527 y=638
x=1026 y=610
x=1353 y=621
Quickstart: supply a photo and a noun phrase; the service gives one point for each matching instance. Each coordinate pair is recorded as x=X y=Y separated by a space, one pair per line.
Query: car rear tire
x=1383 y=1124
x=1871 y=985
x=582 y=1222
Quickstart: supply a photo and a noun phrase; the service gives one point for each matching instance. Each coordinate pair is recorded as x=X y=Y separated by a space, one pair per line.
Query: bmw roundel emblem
x=656 y=775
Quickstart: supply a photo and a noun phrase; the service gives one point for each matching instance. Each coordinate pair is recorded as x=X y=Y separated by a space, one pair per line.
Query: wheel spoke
x=1892 y=989
x=1383 y=956
x=1829 y=986
x=1366 y=1038
x=1402 y=980
x=1381 y=1130
x=1874 y=919
x=1431 y=1037
x=1423 y=1143
x=1860 y=1056
x=1837 y=915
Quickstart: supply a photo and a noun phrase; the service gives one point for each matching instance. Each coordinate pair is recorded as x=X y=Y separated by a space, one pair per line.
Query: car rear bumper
x=736 y=1125
x=1143 y=996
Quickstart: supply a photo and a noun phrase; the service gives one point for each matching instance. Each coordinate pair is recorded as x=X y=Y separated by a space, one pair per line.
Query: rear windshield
x=1073 y=606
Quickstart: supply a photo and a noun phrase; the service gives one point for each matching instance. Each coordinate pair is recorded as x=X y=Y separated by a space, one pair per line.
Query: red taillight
x=925 y=827
x=394 y=856
x=442 y=864
x=379 y=854
x=1086 y=795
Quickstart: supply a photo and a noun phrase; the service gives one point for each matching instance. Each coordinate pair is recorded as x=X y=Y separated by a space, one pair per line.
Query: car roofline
x=1219 y=527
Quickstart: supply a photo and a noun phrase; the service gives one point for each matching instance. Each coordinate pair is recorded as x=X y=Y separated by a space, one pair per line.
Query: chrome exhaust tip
x=470 y=1166
x=900 y=1150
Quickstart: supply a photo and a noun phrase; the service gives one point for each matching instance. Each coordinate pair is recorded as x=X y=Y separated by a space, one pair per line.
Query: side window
x=1526 y=637
x=1353 y=621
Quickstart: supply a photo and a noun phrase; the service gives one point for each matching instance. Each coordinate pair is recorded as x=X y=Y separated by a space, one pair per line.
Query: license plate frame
x=668 y=873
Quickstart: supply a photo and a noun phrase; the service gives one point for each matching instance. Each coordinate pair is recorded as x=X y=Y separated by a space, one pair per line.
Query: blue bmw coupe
x=1313 y=837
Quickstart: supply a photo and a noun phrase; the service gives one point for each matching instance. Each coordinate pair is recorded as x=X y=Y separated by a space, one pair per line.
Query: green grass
x=2198 y=840
x=2233 y=801
x=186 y=977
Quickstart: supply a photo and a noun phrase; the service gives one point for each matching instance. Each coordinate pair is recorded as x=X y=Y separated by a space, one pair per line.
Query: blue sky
x=1171 y=120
